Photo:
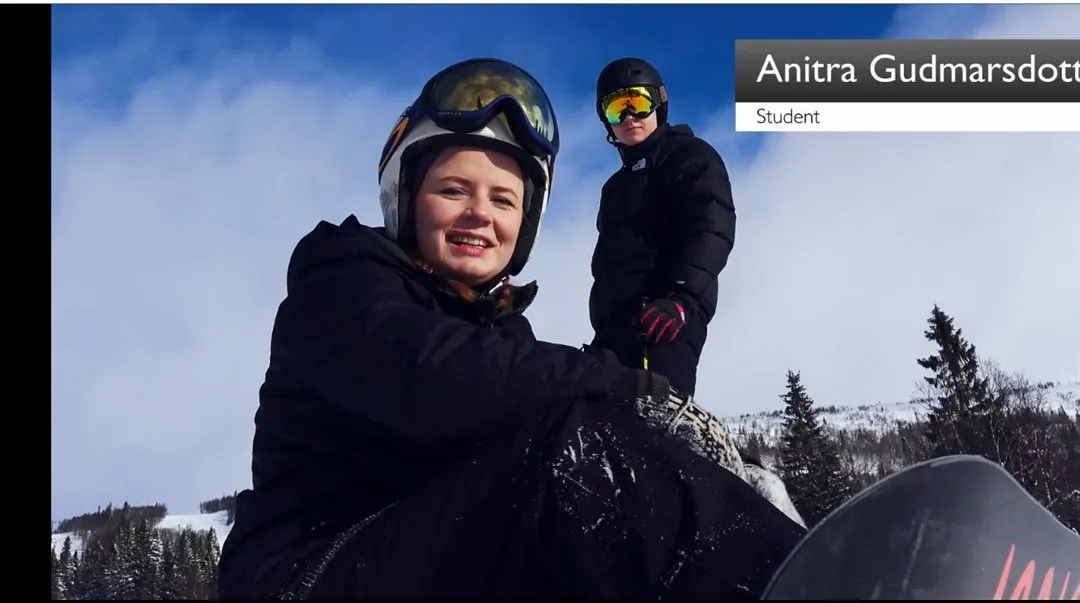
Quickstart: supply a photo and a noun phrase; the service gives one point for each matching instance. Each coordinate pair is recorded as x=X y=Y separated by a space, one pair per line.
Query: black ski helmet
x=627 y=72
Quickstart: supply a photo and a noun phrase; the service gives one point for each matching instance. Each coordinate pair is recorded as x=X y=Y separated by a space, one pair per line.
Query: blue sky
x=564 y=46
x=194 y=145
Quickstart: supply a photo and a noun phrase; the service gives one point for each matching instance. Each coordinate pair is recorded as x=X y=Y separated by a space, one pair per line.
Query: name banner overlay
x=907 y=85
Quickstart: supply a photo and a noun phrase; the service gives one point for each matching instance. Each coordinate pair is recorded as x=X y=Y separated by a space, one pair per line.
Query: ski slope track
x=198 y=522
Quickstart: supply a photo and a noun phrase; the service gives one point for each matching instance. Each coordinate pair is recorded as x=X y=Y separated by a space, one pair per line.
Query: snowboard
x=956 y=527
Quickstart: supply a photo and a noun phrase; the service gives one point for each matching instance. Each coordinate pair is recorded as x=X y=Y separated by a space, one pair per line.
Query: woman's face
x=469 y=212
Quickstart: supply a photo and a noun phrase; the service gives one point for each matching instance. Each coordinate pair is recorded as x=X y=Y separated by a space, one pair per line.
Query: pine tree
x=1061 y=470
x=809 y=461
x=800 y=426
x=212 y=553
x=187 y=566
x=55 y=591
x=957 y=423
x=122 y=568
x=71 y=587
x=167 y=583
x=66 y=569
x=91 y=575
x=755 y=446
x=146 y=567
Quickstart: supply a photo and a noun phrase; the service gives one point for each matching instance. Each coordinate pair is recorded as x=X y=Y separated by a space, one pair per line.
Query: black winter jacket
x=666 y=225
x=379 y=379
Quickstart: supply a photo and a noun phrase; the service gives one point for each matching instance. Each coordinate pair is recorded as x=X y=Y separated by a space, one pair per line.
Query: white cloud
x=174 y=221
x=847 y=241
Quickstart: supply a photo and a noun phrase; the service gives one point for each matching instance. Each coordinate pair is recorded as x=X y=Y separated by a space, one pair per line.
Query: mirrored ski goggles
x=636 y=101
x=466 y=96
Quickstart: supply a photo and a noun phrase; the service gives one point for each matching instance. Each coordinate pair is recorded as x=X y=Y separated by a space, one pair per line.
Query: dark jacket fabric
x=411 y=443
x=379 y=379
x=666 y=225
x=582 y=502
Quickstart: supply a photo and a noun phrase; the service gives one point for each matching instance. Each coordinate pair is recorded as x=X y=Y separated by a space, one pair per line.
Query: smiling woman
x=414 y=439
x=469 y=212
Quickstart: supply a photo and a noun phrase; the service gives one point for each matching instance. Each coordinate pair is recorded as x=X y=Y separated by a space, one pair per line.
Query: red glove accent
x=662 y=320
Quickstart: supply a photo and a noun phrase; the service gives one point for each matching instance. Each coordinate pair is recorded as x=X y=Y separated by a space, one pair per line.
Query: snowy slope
x=871 y=417
x=198 y=522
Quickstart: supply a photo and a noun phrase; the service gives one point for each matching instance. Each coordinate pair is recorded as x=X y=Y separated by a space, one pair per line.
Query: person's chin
x=470 y=270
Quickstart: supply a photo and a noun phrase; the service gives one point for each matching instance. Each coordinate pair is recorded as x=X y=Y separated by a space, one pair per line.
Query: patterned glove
x=668 y=410
x=683 y=418
x=680 y=416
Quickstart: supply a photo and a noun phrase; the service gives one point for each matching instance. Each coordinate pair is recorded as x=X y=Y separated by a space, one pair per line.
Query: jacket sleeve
x=358 y=338
x=705 y=217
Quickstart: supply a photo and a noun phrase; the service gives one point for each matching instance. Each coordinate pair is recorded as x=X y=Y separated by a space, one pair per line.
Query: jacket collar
x=491 y=302
x=645 y=149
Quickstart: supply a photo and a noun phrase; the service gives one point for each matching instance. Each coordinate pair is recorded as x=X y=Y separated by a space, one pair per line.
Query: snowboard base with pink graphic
x=956 y=527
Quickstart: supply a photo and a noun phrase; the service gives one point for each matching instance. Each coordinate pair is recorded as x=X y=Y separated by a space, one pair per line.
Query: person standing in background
x=666 y=227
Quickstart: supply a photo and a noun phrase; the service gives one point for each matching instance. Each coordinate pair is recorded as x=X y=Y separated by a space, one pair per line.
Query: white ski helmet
x=486 y=103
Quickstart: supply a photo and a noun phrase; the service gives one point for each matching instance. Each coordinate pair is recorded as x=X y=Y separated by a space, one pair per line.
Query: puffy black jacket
x=666 y=225
x=379 y=379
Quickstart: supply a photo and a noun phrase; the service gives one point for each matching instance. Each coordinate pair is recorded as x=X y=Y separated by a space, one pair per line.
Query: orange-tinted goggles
x=635 y=101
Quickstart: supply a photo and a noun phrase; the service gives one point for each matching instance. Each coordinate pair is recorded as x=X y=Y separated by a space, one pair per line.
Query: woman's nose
x=479 y=209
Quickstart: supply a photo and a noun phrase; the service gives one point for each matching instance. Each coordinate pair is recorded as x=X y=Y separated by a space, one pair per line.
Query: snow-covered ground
x=198 y=522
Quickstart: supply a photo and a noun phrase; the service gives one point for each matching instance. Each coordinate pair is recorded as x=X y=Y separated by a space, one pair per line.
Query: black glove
x=662 y=319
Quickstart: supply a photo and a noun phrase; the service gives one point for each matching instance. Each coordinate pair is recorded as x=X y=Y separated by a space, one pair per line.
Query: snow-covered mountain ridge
x=875 y=418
